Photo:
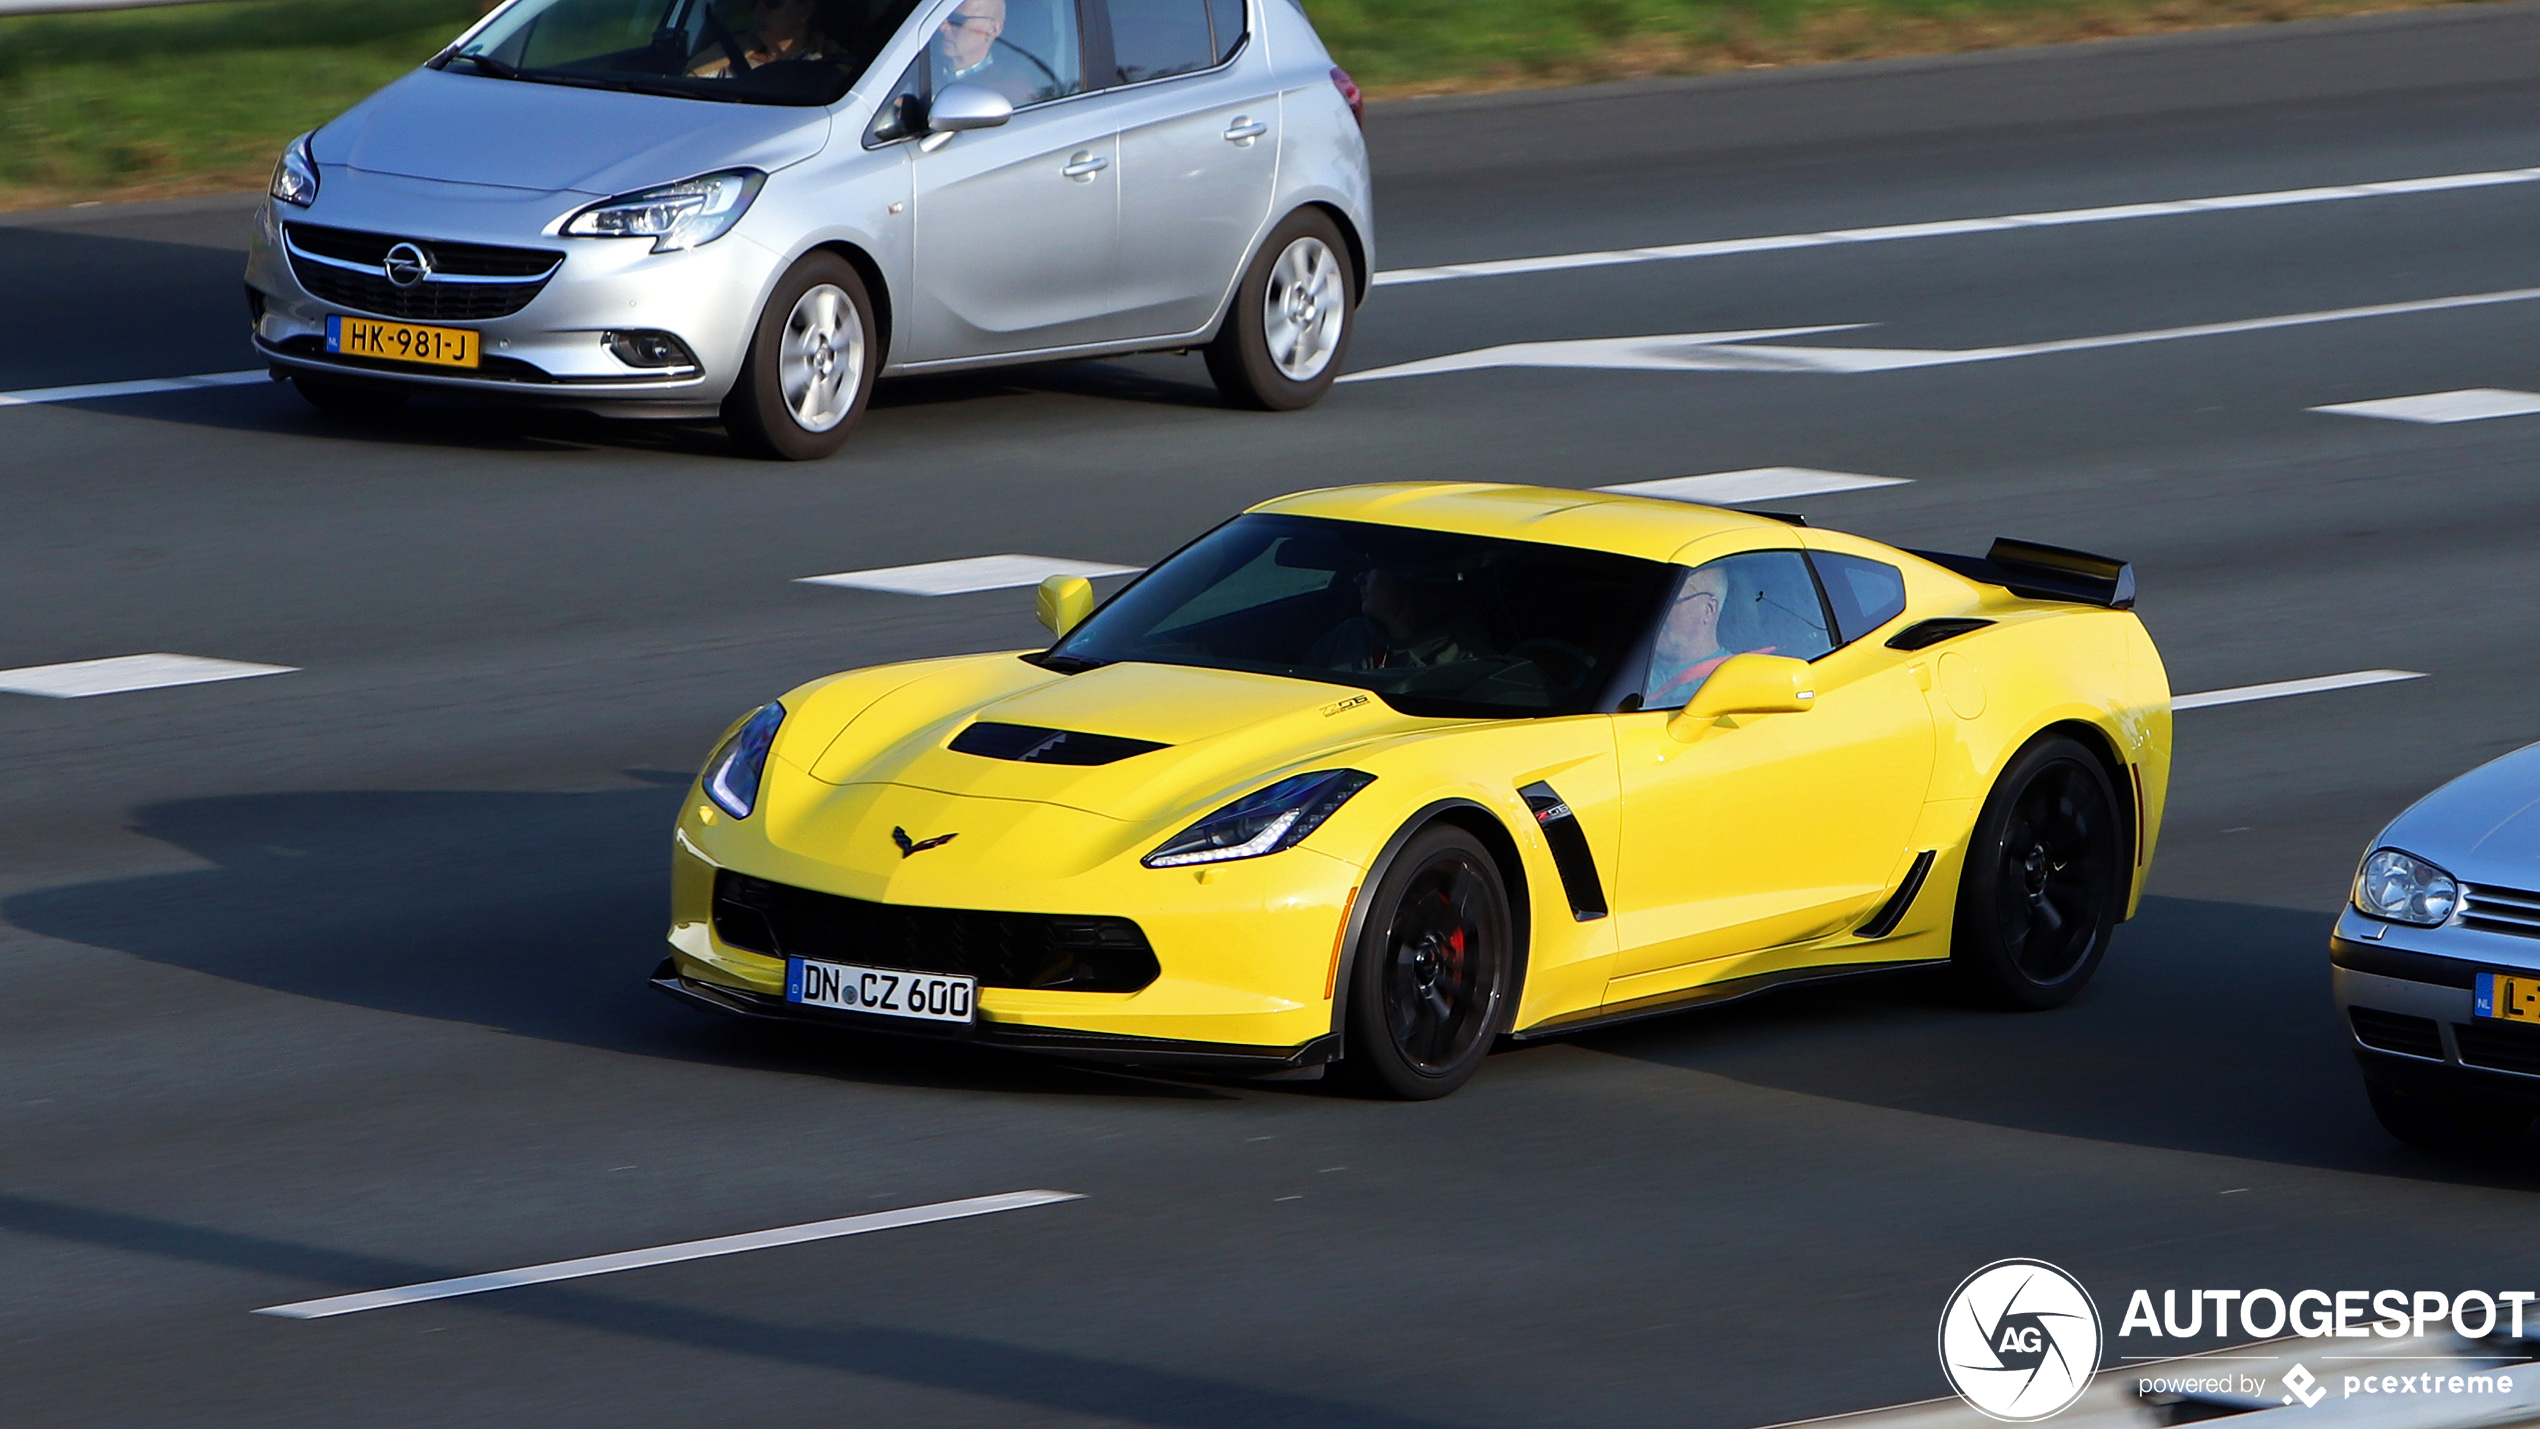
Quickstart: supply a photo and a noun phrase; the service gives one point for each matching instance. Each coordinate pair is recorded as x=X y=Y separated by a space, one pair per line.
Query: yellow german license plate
x=402 y=342
x=2514 y=999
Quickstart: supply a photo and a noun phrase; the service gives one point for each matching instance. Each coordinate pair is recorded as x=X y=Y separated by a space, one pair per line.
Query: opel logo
x=407 y=265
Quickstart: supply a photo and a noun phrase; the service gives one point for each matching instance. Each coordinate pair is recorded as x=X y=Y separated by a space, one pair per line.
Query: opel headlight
x=674 y=216
x=295 y=175
x=1262 y=822
x=732 y=775
x=2405 y=889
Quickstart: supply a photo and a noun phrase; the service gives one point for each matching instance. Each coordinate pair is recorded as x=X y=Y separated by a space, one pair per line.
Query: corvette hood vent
x=1033 y=744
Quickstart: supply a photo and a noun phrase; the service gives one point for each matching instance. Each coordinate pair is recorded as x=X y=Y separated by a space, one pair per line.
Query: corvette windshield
x=753 y=51
x=1435 y=623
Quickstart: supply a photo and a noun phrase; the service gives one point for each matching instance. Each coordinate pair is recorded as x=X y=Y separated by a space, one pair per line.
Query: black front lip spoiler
x=1008 y=1036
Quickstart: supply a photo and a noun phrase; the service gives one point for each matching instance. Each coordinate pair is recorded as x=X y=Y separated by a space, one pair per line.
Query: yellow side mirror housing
x=1063 y=602
x=1747 y=684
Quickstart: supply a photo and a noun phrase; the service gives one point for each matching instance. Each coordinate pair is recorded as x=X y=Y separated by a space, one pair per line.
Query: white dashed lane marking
x=36 y=396
x=1955 y=227
x=125 y=673
x=1736 y=352
x=2473 y=404
x=666 y=1254
x=2317 y=684
x=1763 y=483
x=962 y=577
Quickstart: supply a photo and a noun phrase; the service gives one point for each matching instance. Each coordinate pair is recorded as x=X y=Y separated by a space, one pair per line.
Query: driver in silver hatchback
x=752 y=209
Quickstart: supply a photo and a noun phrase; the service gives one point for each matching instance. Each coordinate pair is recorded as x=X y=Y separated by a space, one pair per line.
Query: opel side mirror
x=960 y=107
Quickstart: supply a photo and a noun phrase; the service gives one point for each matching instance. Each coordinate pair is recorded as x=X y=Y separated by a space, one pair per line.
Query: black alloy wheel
x=2457 y=1126
x=2045 y=880
x=1430 y=987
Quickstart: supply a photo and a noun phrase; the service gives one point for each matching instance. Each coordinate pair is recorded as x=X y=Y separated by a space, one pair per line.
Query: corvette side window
x=1761 y=603
x=1865 y=594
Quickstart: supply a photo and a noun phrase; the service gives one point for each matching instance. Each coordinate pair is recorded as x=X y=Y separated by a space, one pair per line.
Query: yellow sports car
x=1378 y=775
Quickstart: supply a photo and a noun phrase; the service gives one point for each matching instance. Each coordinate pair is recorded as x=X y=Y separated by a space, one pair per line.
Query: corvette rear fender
x=1475 y=819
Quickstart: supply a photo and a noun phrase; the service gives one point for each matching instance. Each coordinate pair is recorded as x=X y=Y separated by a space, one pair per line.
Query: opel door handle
x=1085 y=165
x=1245 y=129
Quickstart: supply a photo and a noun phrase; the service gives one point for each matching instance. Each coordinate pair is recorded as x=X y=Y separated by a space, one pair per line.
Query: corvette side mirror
x=1747 y=684
x=964 y=106
x=1063 y=602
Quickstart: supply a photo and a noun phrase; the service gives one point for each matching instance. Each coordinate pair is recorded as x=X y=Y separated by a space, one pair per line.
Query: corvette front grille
x=1053 y=952
x=2491 y=908
x=469 y=282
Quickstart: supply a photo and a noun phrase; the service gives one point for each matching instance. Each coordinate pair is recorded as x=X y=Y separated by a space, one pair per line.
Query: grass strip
x=199 y=98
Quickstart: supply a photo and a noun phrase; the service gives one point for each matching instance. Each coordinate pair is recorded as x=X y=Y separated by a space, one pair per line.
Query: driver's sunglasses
x=959 y=21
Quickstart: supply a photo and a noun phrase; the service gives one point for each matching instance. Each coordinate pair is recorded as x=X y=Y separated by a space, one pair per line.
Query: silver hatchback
x=753 y=208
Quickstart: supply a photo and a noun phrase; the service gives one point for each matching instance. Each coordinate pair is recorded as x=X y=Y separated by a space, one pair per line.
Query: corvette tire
x=348 y=399
x=1283 y=340
x=808 y=373
x=2454 y=1125
x=2045 y=879
x=1431 y=982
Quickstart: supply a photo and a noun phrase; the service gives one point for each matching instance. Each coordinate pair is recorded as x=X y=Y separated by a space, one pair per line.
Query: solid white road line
x=1953 y=227
x=2473 y=404
x=1763 y=483
x=1706 y=352
x=124 y=673
x=2242 y=694
x=667 y=1254
x=964 y=576
x=34 y=396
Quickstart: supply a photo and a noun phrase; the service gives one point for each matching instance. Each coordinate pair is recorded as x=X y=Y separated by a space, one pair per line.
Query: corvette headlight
x=295 y=175
x=1262 y=822
x=2405 y=889
x=732 y=775
x=674 y=216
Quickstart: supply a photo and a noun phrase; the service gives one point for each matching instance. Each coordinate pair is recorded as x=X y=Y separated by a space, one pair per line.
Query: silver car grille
x=464 y=282
x=2493 y=909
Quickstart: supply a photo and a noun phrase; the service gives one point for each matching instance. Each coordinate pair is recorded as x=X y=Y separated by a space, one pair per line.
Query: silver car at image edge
x=751 y=209
x=2435 y=961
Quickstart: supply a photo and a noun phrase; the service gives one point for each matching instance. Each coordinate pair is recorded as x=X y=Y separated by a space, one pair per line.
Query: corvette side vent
x=1923 y=634
x=1031 y=744
x=2039 y=572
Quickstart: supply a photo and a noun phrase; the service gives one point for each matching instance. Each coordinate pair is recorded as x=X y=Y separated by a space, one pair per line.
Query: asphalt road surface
x=331 y=981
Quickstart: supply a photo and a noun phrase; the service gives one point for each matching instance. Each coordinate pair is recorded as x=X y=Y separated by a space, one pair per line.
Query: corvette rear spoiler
x=2036 y=572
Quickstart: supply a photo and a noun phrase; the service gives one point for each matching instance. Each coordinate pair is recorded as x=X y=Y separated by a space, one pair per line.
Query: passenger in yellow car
x=1411 y=620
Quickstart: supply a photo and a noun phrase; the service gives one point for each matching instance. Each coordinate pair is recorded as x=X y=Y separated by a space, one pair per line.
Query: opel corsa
x=1380 y=775
x=753 y=208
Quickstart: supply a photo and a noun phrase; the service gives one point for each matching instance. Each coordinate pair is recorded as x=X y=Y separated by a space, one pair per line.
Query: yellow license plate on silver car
x=402 y=342
x=2511 y=999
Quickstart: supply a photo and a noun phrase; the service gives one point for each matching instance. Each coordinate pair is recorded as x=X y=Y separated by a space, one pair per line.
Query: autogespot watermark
x=2020 y=1339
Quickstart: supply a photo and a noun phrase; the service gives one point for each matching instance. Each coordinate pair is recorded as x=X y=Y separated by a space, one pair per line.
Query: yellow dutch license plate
x=402 y=342
x=2509 y=998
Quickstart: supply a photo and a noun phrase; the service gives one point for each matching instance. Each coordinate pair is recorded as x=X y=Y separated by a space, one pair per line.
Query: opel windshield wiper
x=488 y=65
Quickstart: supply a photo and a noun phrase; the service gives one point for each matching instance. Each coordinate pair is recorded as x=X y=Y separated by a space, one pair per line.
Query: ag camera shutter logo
x=2019 y=1340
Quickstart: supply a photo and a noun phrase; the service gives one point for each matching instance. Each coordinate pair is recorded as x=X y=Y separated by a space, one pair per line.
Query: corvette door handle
x=1085 y=165
x=1244 y=130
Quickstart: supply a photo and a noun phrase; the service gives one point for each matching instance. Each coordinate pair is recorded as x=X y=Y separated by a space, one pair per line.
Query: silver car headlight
x=674 y=216
x=2403 y=888
x=295 y=175
x=732 y=776
x=1262 y=822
